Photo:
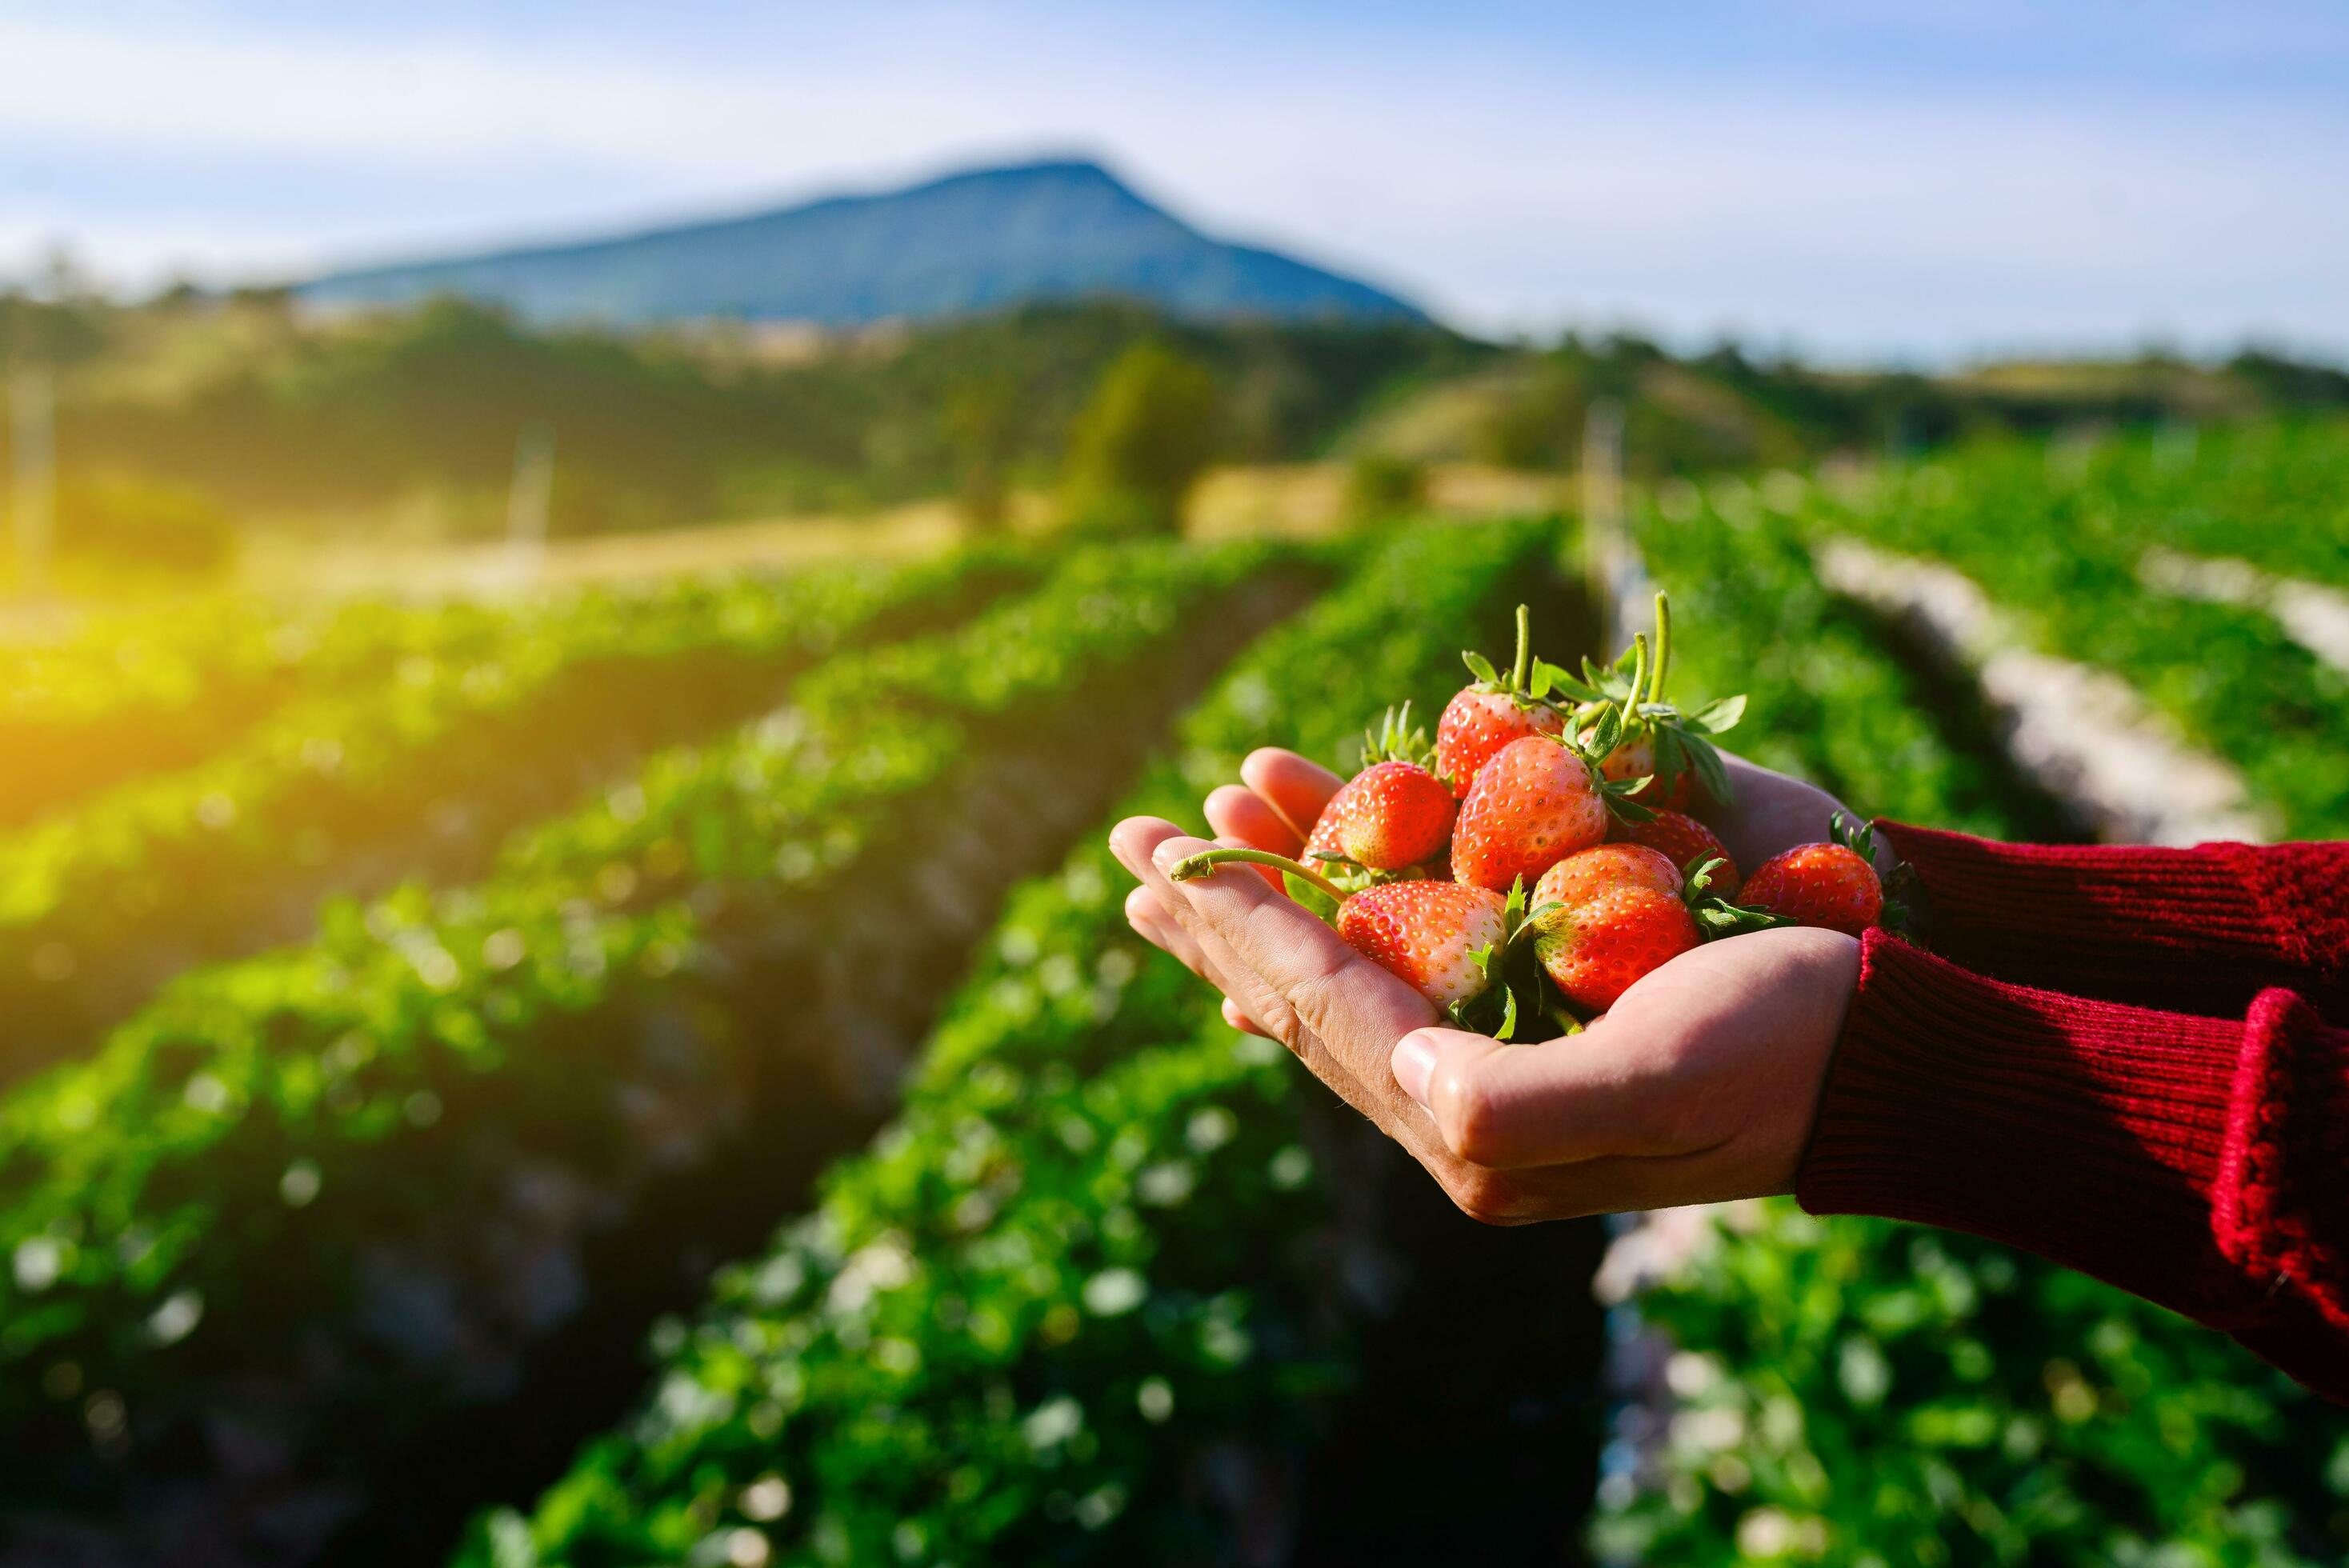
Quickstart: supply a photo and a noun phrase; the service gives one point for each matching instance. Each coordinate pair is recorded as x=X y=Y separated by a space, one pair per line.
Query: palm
x=1700 y=1084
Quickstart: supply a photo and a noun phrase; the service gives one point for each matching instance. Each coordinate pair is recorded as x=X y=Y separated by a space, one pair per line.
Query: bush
x=1145 y=438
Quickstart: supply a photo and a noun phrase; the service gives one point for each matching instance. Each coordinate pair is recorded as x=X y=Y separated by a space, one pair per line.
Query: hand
x=1699 y=1086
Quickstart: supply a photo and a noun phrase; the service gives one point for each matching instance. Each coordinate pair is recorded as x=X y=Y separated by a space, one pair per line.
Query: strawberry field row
x=2060 y=544
x=1080 y=1301
x=1852 y=1391
x=359 y=785
x=134 y=694
x=364 y=1179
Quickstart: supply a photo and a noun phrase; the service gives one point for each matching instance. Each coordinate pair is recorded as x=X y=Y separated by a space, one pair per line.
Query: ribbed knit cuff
x=2199 y=929
x=2088 y=1132
x=2281 y=1201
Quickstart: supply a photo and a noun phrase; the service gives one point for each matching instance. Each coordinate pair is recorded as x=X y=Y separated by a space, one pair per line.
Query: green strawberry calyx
x=1527 y=684
x=1597 y=743
x=1394 y=739
x=1499 y=995
x=1635 y=687
x=1904 y=912
x=1716 y=916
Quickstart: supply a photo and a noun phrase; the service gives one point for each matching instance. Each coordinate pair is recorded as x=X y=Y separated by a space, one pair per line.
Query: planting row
x=128 y=694
x=1084 y=1300
x=319 y=1204
x=356 y=786
x=1852 y=1390
x=2064 y=548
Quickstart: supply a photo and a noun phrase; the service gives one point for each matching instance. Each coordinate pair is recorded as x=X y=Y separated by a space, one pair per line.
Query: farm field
x=634 y=1073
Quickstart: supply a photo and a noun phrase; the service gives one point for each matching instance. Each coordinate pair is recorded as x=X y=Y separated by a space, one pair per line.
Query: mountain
x=969 y=243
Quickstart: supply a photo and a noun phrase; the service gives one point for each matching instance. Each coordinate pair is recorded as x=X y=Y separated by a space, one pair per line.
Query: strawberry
x=1392 y=815
x=1586 y=873
x=1594 y=950
x=1684 y=841
x=1672 y=749
x=1832 y=884
x=1536 y=801
x=1492 y=711
x=1401 y=815
x=1445 y=940
x=1438 y=937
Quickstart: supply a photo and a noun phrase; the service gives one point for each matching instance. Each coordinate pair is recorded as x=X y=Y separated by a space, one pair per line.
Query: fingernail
x=1167 y=853
x=1413 y=1063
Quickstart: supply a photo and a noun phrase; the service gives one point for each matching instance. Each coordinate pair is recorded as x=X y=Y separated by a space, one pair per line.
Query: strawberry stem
x=1664 y=646
x=1190 y=868
x=1638 y=682
x=1523 y=668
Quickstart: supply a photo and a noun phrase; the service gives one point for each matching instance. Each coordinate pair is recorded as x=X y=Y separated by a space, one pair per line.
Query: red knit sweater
x=2141 y=1070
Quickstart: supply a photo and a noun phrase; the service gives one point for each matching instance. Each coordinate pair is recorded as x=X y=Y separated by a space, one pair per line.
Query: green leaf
x=1606 y=735
x=1706 y=759
x=1549 y=678
x=1311 y=897
x=1482 y=668
x=1508 y=1014
x=1717 y=717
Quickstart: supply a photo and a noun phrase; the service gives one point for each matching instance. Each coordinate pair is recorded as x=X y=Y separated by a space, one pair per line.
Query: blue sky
x=1918 y=181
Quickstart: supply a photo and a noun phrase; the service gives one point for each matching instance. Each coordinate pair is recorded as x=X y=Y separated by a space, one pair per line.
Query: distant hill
x=969 y=242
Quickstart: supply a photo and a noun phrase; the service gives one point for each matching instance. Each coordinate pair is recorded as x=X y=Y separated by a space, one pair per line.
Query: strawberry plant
x=1072 y=1282
x=290 y=1148
x=353 y=786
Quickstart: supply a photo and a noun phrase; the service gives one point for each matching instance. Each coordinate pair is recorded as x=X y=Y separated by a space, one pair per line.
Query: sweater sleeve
x=2196 y=1161
x=2200 y=929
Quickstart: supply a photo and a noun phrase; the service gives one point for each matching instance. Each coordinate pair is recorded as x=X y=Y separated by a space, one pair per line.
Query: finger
x=1293 y=788
x=1301 y=967
x=1145 y=913
x=1239 y=1020
x=1136 y=842
x=1508 y=1108
x=1241 y=815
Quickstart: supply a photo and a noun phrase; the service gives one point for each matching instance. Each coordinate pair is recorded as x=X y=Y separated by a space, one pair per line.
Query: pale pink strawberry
x=1428 y=933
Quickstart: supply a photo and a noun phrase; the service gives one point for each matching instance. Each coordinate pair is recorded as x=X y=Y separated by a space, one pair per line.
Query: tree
x=1143 y=439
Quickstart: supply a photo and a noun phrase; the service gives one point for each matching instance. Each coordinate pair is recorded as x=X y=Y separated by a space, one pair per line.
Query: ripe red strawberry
x=1832 y=884
x=1596 y=949
x=1586 y=873
x=1684 y=841
x=1399 y=815
x=1476 y=723
x=1536 y=802
x=1435 y=935
x=1490 y=713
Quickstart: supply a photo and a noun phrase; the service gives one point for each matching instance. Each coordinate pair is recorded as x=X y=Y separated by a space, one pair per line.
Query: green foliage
x=237 y=1156
x=1860 y=1392
x=1145 y=438
x=211 y=859
x=1079 y=1261
x=2057 y=535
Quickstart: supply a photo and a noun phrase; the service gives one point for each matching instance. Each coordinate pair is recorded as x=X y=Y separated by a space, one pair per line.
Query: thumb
x=1420 y=1055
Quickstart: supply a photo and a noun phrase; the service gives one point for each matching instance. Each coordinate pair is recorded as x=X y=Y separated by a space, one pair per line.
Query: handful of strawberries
x=1584 y=790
